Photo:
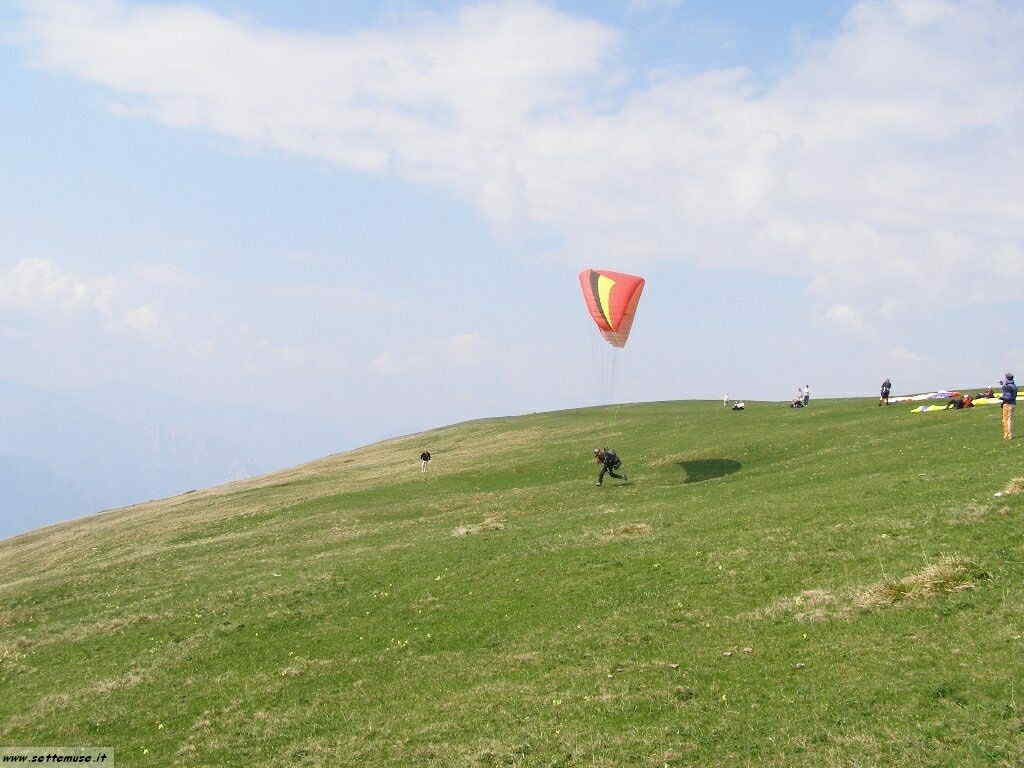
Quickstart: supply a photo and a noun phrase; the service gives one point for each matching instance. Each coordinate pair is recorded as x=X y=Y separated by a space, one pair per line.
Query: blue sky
x=237 y=236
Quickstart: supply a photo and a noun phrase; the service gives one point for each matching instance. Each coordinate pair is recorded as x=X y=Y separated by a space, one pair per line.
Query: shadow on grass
x=707 y=469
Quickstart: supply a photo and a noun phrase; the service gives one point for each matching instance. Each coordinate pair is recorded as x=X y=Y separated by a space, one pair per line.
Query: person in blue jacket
x=1009 y=398
x=883 y=398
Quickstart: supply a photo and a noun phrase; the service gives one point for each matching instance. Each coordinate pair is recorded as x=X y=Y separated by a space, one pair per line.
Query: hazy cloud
x=463 y=349
x=903 y=355
x=143 y=318
x=885 y=168
x=41 y=285
x=466 y=348
x=654 y=5
x=121 y=302
x=845 y=317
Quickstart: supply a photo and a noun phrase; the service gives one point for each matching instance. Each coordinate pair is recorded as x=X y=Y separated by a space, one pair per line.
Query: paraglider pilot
x=609 y=463
x=1009 y=398
x=424 y=460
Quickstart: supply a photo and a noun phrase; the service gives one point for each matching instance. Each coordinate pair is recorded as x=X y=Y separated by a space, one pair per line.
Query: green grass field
x=836 y=586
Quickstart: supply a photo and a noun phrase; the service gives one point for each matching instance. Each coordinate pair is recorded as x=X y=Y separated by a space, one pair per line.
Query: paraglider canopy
x=611 y=298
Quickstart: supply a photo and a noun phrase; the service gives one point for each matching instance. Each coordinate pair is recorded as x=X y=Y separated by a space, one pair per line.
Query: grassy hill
x=833 y=586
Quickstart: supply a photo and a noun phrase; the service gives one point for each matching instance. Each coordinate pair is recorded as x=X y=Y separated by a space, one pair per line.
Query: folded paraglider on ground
x=956 y=401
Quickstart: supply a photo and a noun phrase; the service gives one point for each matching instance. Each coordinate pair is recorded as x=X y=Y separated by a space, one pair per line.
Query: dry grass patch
x=106 y=627
x=300 y=665
x=118 y=683
x=628 y=531
x=79 y=632
x=808 y=606
x=970 y=512
x=974 y=513
x=1014 y=486
x=45 y=707
x=530 y=657
x=9 y=653
x=664 y=461
x=949 y=574
x=492 y=523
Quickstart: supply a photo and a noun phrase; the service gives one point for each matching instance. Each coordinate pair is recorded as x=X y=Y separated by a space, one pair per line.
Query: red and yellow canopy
x=611 y=299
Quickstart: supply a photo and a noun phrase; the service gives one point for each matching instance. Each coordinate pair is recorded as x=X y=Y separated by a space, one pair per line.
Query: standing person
x=798 y=401
x=884 y=396
x=609 y=463
x=424 y=460
x=807 y=394
x=1009 y=398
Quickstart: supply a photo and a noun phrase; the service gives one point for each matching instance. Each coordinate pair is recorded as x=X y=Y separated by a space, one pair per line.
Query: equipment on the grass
x=933 y=408
x=930 y=408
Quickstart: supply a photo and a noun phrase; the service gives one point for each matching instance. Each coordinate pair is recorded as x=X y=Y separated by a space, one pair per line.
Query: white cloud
x=845 y=317
x=142 y=319
x=460 y=350
x=885 y=167
x=162 y=276
x=466 y=349
x=14 y=334
x=386 y=363
x=654 y=5
x=903 y=355
x=202 y=349
x=41 y=285
x=120 y=302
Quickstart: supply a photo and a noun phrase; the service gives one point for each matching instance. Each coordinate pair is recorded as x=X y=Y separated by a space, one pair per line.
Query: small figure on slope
x=1009 y=398
x=883 y=398
x=609 y=463
x=424 y=460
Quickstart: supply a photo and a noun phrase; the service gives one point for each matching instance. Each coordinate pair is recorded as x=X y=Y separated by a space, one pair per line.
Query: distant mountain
x=68 y=454
x=33 y=494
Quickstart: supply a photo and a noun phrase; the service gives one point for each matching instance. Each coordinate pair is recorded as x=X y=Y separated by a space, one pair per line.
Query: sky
x=238 y=236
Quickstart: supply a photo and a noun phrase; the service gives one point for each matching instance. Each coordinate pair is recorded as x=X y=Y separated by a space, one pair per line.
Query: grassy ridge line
x=333 y=615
